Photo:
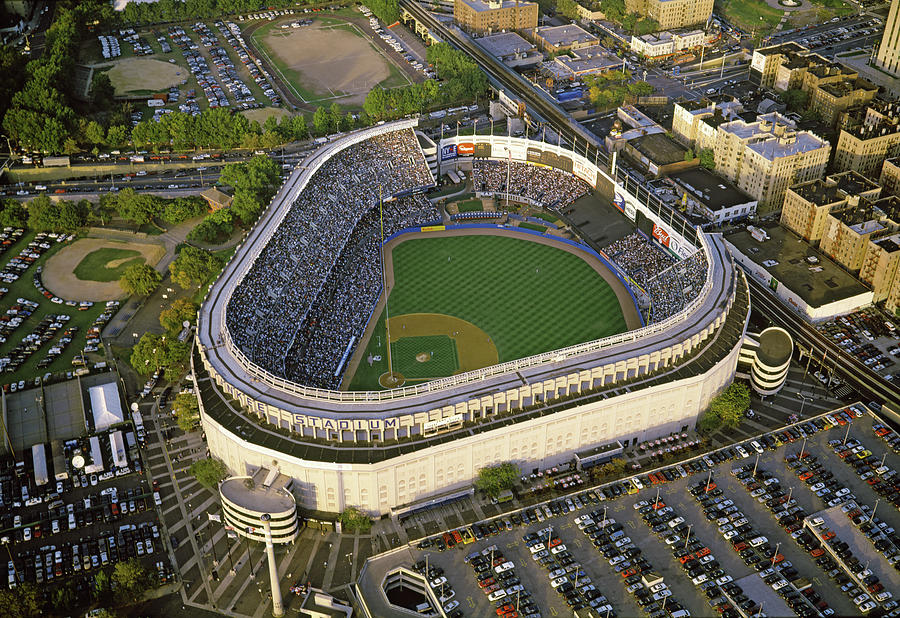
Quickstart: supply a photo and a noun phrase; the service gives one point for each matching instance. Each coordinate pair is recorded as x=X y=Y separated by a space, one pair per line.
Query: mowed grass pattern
x=443 y=361
x=94 y=266
x=528 y=297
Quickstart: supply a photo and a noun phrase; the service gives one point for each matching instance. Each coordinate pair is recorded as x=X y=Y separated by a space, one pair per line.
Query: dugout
x=598 y=455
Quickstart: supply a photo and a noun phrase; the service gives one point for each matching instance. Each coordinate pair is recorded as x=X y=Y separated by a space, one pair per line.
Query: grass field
x=439 y=350
x=533 y=226
x=527 y=297
x=470 y=206
x=750 y=15
x=24 y=288
x=96 y=265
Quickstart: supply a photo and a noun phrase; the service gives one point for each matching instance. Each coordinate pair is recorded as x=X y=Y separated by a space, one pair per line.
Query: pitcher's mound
x=423 y=357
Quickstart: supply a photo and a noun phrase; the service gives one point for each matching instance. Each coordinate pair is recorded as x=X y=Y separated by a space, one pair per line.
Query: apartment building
x=869 y=134
x=888 y=56
x=848 y=230
x=806 y=205
x=767 y=156
x=495 y=15
x=558 y=39
x=890 y=176
x=880 y=269
x=664 y=43
x=672 y=14
x=694 y=122
x=766 y=61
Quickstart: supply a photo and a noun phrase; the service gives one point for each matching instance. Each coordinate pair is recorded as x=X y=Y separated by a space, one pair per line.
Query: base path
x=59 y=278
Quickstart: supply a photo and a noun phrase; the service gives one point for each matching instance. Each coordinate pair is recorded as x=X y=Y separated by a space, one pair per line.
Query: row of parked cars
x=497 y=578
x=440 y=586
x=566 y=575
x=778 y=573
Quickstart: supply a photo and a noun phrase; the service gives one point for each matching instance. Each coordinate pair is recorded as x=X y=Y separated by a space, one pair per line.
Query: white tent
x=106 y=405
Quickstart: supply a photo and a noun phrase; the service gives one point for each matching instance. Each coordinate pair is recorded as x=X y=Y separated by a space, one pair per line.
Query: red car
x=487 y=582
x=506 y=608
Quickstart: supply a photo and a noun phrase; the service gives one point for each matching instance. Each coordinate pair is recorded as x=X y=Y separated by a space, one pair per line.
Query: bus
x=505 y=496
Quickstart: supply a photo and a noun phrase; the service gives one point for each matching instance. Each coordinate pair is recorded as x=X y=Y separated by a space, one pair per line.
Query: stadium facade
x=383 y=451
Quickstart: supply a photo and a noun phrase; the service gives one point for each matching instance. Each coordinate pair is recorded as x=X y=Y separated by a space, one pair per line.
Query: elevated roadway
x=861 y=378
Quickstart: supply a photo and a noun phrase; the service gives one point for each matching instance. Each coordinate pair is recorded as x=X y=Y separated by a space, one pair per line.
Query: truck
x=96 y=457
x=40 y=465
x=139 y=426
x=61 y=473
x=61 y=161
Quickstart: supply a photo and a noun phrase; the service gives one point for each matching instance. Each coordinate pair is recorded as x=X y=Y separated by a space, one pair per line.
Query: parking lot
x=702 y=538
x=870 y=337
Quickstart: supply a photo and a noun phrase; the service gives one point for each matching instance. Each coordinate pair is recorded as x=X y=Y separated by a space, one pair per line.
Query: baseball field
x=463 y=301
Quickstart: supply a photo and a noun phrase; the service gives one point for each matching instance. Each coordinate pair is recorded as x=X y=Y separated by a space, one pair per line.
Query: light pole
x=803 y=448
x=688 y=537
x=847 y=434
x=775 y=555
x=756 y=464
x=872 y=516
x=708 y=481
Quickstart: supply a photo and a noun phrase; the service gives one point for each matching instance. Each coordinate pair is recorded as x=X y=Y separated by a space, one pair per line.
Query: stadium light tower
x=387 y=313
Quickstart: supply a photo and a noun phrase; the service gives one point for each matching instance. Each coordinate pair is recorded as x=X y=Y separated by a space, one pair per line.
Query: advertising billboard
x=661 y=235
x=549 y=158
x=619 y=202
x=483 y=150
x=448 y=152
x=533 y=155
x=564 y=163
x=465 y=149
x=586 y=172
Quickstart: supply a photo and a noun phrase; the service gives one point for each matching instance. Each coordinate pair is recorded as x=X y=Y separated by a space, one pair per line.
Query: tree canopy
x=173 y=318
x=209 y=472
x=493 y=480
x=354 y=520
x=194 y=267
x=154 y=352
x=731 y=404
x=63 y=216
x=614 y=88
x=187 y=411
x=140 y=279
x=12 y=213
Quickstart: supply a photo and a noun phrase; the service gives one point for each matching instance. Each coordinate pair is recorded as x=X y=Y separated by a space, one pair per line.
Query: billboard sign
x=619 y=202
x=533 y=155
x=448 y=152
x=465 y=149
x=443 y=423
x=483 y=150
x=564 y=163
x=661 y=235
x=586 y=172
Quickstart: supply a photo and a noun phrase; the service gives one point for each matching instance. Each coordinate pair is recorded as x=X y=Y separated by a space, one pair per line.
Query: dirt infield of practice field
x=59 y=277
x=325 y=61
x=474 y=348
x=134 y=74
x=369 y=356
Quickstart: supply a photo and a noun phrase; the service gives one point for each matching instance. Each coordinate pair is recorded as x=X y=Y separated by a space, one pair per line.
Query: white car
x=662 y=594
x=867 y=607
x=556 y=583
x=440 y=581
x=817 y=487
x=449 y=607
x=725 y=579
x=658 y=587
x=500 y=568
x=742 y=451
x=558 y=549
x=700 y=579
x=757 y=447
x=637 y=506
x=671 y=540
x=781 y=583
x=861 y=599
x=883 y=596
x=496 y=595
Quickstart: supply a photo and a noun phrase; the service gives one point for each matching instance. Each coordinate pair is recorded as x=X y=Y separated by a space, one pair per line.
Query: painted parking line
x=577 y=542
x=553 y=611
x=471 y=602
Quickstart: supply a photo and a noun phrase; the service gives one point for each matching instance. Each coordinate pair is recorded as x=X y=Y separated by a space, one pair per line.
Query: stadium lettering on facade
x=371 y=424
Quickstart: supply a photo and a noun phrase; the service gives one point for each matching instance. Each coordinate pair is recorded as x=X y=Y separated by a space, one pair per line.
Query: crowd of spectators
x=342 y=309
x=273 y=302
x=670 y=285
x=547 y=186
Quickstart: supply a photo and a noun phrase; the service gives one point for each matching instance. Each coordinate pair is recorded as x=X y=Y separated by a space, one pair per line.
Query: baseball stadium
x=381 y=350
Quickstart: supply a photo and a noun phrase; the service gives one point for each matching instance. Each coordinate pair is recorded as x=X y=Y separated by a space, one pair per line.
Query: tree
x=614 y=10
x=209 y=472
x=187 y=411
x=140 y=279
x=183 y=208
x=21 y=602
x=709 y=422
x=321 y=120
x=795 y=99
x=689 y=154
x=493 y=480
x=102 y=91
x=172 y=319
x=194 y=266
x=12 y=214
x=354 y=520
x=569 y=8
x=645 y=26
x=708 y=158
x=731 y=404
x=94 y=133
x=63 y=216
x=140 y=208
x=215 y=227
x=153 y=352
x=130 y=578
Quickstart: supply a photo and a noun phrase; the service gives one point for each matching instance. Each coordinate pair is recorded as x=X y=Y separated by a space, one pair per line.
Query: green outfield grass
x=528 y=297
x=94 y=266
x=470 y=206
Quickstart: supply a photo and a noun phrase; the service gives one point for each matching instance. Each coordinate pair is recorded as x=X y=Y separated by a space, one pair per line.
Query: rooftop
x=817 y=283
x=891 y=243
x=659 y=148
x=479 y=5
x=842 y=89
x=656 y=38
x=711 y=189
x=263 y=495
x=569 y=34
x=775 y=347
x=505 y=44
x=782 y=49
x=589 y=59
x=835 y=188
